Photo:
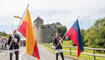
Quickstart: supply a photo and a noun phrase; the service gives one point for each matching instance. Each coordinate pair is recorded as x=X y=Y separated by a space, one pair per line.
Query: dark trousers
x=16 y=55
x=57 y=54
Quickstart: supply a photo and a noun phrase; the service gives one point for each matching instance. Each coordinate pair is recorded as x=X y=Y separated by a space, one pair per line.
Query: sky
x=64 y=11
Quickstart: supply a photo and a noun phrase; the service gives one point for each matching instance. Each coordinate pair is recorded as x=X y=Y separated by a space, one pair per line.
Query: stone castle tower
x=45 y=33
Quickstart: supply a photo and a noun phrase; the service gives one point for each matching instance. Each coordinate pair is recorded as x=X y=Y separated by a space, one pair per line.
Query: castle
x=45 y=33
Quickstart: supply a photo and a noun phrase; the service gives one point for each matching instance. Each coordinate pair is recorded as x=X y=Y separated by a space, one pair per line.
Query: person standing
x=58 y=46
x=13 y=42
x=0 y=42
x=4 y=43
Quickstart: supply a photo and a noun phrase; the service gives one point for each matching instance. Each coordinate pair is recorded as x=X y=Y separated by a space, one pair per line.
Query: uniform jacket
x=13 y=45
x=55 y=43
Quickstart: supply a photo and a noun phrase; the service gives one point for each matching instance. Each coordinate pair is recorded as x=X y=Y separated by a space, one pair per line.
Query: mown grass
x=73 y=55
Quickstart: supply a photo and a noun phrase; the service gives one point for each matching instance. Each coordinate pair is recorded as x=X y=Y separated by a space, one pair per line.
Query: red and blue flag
x=75 y=35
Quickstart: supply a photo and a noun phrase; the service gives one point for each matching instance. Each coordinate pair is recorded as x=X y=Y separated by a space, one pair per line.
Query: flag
x=26 y=28
x=75 y=35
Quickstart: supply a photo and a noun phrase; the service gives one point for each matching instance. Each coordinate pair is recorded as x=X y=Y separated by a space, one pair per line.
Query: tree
x=95 y=36
x=83 y=33
x=3 y=34
x=62 y=30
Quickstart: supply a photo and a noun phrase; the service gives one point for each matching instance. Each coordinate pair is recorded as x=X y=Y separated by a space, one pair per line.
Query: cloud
x=8 y=23
x=64 y=11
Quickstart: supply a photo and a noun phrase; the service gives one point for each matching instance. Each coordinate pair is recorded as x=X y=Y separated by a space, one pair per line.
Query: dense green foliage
x=62 y=30
x=3 y=34
x=95 y=36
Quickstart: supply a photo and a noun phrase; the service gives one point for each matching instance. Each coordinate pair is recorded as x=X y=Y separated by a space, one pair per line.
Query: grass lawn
x=82 y=57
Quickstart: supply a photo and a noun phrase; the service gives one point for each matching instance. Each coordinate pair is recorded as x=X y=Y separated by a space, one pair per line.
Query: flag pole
x=78 y=17
x=66 y=31
x=62 y=39
x=23 y=16
x=25 y=11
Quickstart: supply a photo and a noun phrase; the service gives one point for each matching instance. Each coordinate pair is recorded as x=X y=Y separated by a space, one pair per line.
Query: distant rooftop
x=38 y=19
x=58 y=23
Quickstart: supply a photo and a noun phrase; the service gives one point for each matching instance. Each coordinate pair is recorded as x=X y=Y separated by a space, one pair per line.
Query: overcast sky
x=64 y=11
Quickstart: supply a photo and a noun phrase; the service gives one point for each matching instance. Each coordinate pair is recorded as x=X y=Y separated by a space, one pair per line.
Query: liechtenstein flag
x=75 y=35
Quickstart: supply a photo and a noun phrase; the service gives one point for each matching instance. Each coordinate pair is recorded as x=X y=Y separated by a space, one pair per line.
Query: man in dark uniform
x=13 y=42
x=58 y=46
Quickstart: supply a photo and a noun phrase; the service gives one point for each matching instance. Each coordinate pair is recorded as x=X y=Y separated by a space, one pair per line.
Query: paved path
x=45 y=54
x=4 y=55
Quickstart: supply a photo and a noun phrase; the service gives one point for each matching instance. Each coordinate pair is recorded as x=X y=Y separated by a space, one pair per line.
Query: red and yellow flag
x=27 y=30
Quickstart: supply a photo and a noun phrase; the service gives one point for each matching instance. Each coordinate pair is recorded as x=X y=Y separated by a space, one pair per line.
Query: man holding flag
x=58 y=46
x=13 y=42
x=75 y=35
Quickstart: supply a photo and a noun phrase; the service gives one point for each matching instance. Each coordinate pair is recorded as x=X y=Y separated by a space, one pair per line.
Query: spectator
x=0 y=42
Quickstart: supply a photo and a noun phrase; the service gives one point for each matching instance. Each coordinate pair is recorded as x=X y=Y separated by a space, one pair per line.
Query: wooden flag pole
x=66 y=31
x=78 y=17
x=25 y=11
x=23 y=16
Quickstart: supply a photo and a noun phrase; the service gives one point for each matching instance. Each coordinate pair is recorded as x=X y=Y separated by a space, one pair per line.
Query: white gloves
x=15 y=40
x=53 y=47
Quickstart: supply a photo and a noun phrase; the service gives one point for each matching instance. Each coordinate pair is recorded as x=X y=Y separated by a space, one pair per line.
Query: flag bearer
x=13 y=42
x=58 y=46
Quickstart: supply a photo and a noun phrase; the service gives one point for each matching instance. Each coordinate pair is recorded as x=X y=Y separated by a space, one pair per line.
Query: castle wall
x=47 y=33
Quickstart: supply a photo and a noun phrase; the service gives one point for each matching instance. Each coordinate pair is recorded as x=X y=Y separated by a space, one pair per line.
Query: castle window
x=48 y=26
x=55 y=26
x=52 y=35
x=42 y=26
